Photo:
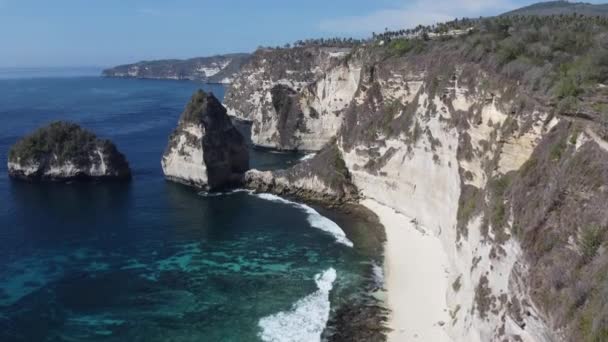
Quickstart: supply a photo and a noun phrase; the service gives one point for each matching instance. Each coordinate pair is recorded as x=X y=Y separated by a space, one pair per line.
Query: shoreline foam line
x=226 y=193
x=307 y=318
x=308 y=157
x=314 y=218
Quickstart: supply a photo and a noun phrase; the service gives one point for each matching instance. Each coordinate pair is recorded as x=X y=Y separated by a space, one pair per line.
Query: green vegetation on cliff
x=65 y=140
x=559 y=58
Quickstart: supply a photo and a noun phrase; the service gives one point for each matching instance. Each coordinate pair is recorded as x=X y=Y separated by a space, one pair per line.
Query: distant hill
x=561 y=7
x=214 y=69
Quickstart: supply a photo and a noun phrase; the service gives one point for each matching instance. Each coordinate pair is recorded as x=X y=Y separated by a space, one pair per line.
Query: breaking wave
x=307 y=318
x=308 y=156
x=314 y=218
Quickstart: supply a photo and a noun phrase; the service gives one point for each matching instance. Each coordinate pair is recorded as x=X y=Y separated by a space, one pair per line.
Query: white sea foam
x=307 y=318
x=378 y=274
x=314 y=218
x=308 y=157
x=216 y=194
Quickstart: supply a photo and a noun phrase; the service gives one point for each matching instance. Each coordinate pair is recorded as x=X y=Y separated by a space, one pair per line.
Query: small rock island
x=63 y=151
x=206 y=150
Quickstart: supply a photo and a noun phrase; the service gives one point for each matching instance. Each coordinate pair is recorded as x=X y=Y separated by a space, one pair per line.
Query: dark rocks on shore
x=63 y=151
x=323 y=179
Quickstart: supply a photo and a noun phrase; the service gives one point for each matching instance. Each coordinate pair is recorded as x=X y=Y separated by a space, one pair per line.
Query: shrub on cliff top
x=400 y=47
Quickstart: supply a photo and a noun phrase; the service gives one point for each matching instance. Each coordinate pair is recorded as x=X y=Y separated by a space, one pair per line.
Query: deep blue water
x=151 y=260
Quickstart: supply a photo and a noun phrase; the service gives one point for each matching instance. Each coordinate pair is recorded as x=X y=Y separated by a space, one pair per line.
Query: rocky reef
x=214 y=69
x=63 y=151
x=205 y=150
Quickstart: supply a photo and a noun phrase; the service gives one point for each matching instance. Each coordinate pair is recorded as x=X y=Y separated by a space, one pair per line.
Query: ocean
x=151 y=260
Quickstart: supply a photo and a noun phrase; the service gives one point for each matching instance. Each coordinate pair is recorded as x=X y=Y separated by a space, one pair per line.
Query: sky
x=60 y=33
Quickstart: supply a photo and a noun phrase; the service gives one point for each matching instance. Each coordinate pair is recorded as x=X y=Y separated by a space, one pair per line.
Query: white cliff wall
x=97 y=167
x=323 y=82
x=423 y=183
x=183 y=161
x=324 y=103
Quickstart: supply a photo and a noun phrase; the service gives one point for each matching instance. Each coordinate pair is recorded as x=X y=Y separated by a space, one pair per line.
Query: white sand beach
x=415 y=278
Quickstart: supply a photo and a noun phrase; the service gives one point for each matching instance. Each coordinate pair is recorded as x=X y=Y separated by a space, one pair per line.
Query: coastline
x=415 y=277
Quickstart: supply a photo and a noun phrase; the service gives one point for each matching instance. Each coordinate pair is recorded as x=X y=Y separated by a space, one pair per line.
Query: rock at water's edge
x=65 y=151
x=205 y=150
x=322 y=179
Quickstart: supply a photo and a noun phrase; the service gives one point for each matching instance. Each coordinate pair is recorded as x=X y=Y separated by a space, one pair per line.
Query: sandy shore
x=415 y=277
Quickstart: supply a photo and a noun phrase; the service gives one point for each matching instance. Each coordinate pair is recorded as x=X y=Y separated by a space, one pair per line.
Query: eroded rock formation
x=294 y=97
x=323 y=179
x=205 y=150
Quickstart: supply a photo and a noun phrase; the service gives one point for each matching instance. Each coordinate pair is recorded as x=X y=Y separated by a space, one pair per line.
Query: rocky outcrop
x=64 y=151
x=205 y=150
x=294 y=97
x=215 y=69
x=323 y=179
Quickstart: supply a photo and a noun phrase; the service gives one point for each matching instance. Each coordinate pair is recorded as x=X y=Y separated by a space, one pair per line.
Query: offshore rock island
x=64 y=151
x=206 y=150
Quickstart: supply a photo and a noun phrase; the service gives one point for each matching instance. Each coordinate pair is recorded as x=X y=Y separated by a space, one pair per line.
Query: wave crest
x=314 y=219
x=307 y=318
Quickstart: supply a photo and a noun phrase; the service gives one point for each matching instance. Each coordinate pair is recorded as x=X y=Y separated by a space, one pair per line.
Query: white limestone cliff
x=422 y=182
x=321 y=82
x=184 y=160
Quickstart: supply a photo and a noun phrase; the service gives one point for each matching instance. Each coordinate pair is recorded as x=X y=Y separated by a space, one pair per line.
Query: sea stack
x=63 y=151
x=205 y=150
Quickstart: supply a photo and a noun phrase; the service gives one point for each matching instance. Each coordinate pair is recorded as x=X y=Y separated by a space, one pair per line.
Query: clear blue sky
x=109 y=32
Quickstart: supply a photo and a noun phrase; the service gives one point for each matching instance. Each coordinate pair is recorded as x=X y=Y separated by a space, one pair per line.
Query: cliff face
x=294 y=97
x=215 y=69
x=511 y=188
x=64 y=151
x=205 y=150
x=423 y=138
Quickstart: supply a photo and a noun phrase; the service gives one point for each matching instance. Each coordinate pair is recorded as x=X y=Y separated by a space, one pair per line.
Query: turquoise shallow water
x=152 y=260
